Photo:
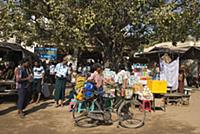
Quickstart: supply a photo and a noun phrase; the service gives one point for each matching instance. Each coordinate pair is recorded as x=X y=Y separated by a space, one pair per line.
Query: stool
x=72 y=103
x=146 y=105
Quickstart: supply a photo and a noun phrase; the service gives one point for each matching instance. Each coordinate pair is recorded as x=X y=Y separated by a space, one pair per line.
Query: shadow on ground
x=8 y=110
x=38 y=108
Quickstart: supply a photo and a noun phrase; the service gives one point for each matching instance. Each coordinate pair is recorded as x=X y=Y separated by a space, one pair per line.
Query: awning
x=5 y=46
x=159 y=52
x=192 y=53
x=11 y=46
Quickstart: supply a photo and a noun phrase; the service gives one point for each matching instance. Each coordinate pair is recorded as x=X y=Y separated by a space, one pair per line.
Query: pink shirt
x=98 y=78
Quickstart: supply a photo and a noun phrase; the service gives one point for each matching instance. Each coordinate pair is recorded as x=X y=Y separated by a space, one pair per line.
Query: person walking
x=61 y=71
x=38 y=81
x=22 y=83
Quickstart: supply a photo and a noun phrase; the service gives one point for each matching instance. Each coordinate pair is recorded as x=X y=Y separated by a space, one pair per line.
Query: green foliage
x=78 y=23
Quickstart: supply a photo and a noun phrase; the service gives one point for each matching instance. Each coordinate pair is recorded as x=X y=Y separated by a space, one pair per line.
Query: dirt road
x=45 y=119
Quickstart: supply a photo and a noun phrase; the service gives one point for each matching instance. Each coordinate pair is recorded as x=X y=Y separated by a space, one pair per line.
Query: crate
x=157 y=86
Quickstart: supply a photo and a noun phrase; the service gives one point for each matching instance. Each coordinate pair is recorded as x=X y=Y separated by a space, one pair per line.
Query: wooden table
x=7 y=82
x=178 y=98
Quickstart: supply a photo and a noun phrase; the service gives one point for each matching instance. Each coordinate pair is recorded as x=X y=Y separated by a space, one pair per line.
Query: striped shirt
x=38 y=72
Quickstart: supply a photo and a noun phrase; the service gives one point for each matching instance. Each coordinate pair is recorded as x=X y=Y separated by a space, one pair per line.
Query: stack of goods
x=166 y=58
x=109 y=75
x=80 y=95
x=133 y=80
x=80 y=80
x=141 y=72
x=138 y=87
x=143 y=92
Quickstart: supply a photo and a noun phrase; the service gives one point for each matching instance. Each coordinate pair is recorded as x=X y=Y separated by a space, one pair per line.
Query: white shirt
x=121 y=76
x=52 y=69
x=61 y=70
x=38 y=72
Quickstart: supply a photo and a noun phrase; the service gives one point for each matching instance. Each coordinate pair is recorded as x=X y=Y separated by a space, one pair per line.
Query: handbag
x=45 y=90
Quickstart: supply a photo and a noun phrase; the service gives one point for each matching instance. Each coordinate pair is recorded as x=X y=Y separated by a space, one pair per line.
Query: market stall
x=141 y=73
x=164 y=76
x=191 y=61
x=10 y=55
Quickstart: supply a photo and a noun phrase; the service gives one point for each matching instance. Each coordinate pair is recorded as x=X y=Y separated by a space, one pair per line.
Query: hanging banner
x=169 y=72
x=46 y=53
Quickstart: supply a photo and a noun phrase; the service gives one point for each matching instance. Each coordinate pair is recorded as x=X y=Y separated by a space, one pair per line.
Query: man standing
x=61 y=71
x=122 y=79
x=22 y=83
x=38 y=80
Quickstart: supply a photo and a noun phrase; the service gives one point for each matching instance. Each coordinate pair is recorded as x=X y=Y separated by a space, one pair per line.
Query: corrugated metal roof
x=182 y=46
x=16 y=47
x=11 y=46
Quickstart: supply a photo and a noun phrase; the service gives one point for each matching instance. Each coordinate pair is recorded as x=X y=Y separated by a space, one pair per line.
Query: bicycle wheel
x=86 y=122
x=131 y=116
x=81 y=114
x=80 y=109
x=114 y=112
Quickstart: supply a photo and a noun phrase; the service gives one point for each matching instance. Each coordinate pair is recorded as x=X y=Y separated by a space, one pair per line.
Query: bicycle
x=128 y=112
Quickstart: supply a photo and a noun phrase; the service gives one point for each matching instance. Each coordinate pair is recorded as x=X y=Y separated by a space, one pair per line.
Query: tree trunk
x=113 y=55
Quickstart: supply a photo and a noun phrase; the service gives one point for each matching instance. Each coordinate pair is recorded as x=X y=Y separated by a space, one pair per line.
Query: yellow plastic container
x=157 y=86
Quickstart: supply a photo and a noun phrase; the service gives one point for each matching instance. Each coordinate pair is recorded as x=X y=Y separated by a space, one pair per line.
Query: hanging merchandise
x=166 y=58
x=141 y=73
x=169 y=72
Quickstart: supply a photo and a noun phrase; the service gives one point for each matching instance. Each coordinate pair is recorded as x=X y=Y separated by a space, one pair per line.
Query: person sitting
x=97 y=78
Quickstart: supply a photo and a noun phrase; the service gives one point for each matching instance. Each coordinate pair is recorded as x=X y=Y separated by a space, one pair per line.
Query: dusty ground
x=45 y=119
